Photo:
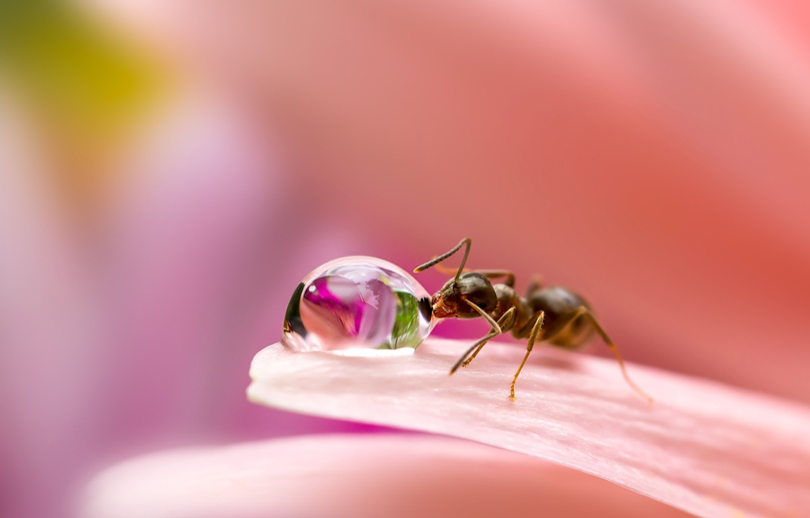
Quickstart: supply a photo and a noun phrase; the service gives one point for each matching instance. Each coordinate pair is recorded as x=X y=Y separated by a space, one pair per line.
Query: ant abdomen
x=559 y=304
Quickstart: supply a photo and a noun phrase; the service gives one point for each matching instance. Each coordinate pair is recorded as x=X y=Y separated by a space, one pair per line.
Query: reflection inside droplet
x=357 y=302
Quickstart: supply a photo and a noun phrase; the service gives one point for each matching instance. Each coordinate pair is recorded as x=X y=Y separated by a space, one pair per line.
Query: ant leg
x=506 y=322
x=489 y=274
x=480 y=343
x=486 y=316
x=448 y=271
x=538 y=325
x=615 y=351
x=477 y=346
x=535 y=284
x=561 y=326
x=466 y=241
x=494 y=274
x=582 y=311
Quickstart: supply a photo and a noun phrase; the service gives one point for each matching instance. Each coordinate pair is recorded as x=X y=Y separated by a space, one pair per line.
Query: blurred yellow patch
x=85 y=87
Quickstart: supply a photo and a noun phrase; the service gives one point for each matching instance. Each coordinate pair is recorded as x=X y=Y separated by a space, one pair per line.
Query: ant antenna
x=466 y=241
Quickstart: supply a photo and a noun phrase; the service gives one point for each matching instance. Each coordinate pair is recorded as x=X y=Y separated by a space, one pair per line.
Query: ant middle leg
x=505 y=321
x=536 y=328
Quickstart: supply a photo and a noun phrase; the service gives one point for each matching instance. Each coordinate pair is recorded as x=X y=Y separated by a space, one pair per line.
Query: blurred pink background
x=171 y=170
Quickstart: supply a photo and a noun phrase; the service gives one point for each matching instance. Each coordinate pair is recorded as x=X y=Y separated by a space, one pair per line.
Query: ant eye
x=482 y=304
x=451 y=298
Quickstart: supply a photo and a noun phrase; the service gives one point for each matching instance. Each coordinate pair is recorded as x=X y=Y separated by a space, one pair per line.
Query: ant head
x=450 y=301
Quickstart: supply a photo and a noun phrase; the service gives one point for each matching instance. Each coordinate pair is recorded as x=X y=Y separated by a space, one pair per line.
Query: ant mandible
x=555 y=315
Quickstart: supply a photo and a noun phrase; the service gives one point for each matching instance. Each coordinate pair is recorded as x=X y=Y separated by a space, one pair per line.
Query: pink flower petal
x=357 y=476
x=702 y=447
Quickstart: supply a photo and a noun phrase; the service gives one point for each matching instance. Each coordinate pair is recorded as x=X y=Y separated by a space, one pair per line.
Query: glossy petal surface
x=702 y=447
x=357 y=476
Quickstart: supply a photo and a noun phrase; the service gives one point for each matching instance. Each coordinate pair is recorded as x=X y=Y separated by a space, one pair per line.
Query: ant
x=553 y=314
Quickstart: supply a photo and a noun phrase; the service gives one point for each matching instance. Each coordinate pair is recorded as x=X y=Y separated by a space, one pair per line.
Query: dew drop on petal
x=357 y=302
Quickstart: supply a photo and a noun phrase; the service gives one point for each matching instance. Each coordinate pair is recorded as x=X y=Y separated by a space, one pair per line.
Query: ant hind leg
x=584 y=312
x=590 y=316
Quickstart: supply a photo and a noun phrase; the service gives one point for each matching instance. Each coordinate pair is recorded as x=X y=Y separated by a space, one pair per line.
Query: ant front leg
x=505 y=321
x=536 y=328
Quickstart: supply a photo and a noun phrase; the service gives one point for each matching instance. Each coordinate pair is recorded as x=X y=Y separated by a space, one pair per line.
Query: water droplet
x=357 y=302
